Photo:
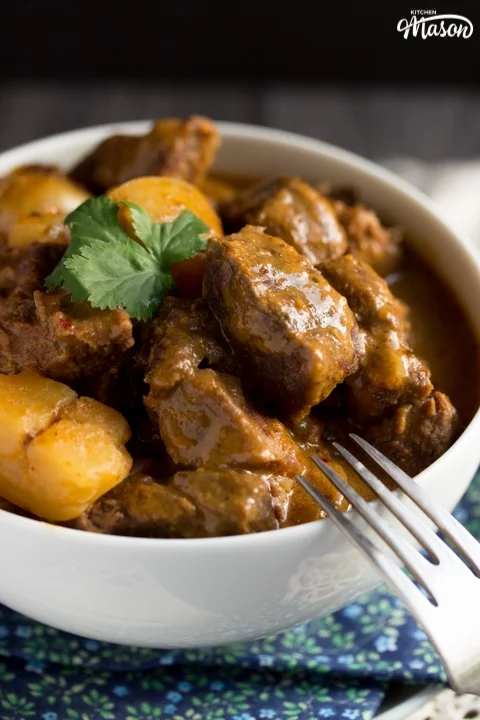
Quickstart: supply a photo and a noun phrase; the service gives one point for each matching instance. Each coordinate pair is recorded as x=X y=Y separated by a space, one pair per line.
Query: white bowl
x=191 y=593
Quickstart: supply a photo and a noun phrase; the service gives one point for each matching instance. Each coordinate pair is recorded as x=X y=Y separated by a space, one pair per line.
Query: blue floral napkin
x=339 y=666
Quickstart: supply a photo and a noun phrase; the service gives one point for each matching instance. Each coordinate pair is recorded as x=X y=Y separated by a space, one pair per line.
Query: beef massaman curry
x=175 y=344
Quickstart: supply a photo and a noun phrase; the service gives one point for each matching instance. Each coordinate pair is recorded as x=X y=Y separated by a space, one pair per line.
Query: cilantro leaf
x=141 y=223
x=170 y=242
x=130 y=277
x=178 y=240
x=62 y=277
x=96 y=218
x=106 y=267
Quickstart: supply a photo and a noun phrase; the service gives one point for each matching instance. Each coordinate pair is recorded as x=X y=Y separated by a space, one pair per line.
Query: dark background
x=339 y=71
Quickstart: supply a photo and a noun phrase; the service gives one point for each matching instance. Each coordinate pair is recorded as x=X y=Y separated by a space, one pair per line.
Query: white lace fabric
x=449 y=706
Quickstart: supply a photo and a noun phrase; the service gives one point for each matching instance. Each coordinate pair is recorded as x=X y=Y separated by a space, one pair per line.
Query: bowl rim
x=274 y=136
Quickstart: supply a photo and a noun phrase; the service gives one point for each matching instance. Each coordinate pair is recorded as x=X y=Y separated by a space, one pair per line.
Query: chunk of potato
x=90 y=411
x=164 y=198
x=46 y=228
x=29 y=403
x=58 y=452
x=74 y=463
x=28 y=191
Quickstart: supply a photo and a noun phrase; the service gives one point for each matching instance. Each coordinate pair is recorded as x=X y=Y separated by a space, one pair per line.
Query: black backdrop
x=334 y=42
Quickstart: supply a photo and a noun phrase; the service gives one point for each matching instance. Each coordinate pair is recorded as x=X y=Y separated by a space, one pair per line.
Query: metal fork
x=449 y=606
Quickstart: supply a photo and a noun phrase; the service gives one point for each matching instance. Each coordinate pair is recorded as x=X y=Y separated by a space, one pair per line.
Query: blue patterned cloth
x=339 y=666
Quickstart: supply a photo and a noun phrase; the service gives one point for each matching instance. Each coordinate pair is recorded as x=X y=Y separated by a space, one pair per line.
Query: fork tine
x=421 y=532
x=393 y=574
x=450 y=527
x=405 y=552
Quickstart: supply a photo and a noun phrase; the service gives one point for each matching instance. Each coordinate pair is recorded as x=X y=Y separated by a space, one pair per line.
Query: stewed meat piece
x=192 y=504
x=368 y=239
x=85 y=341
x=229 y=502
x=140 y=507
x=202 y=414
x=61 y=339
x=293 y=210
x=178 y=148
x=182 y=336
x=293 y=335
x=413 y=436
x=205 y=420
x=23 y=270
x=390 y=372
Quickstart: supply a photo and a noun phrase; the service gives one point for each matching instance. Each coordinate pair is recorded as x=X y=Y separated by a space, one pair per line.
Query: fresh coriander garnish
x=106 y=267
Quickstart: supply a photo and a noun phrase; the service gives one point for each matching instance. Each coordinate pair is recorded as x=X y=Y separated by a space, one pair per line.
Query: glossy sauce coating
x=289 y=208
x=277 y=312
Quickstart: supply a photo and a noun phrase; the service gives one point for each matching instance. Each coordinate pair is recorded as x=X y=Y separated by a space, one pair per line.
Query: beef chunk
x=201 y=412
x=206 y=420
x=292 y=333
x=413 y=436
x=87 y=342
x=139 y=506
x=290 y=209
x=390 y=371
x=230 y=502
x=180 y=338
x=368 y=240
x=194 y=504
x=61 y=339
x=22 y=271
x=182 y=149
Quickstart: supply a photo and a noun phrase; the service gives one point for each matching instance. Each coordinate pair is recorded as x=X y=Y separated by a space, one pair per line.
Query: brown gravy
x=442 y=334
